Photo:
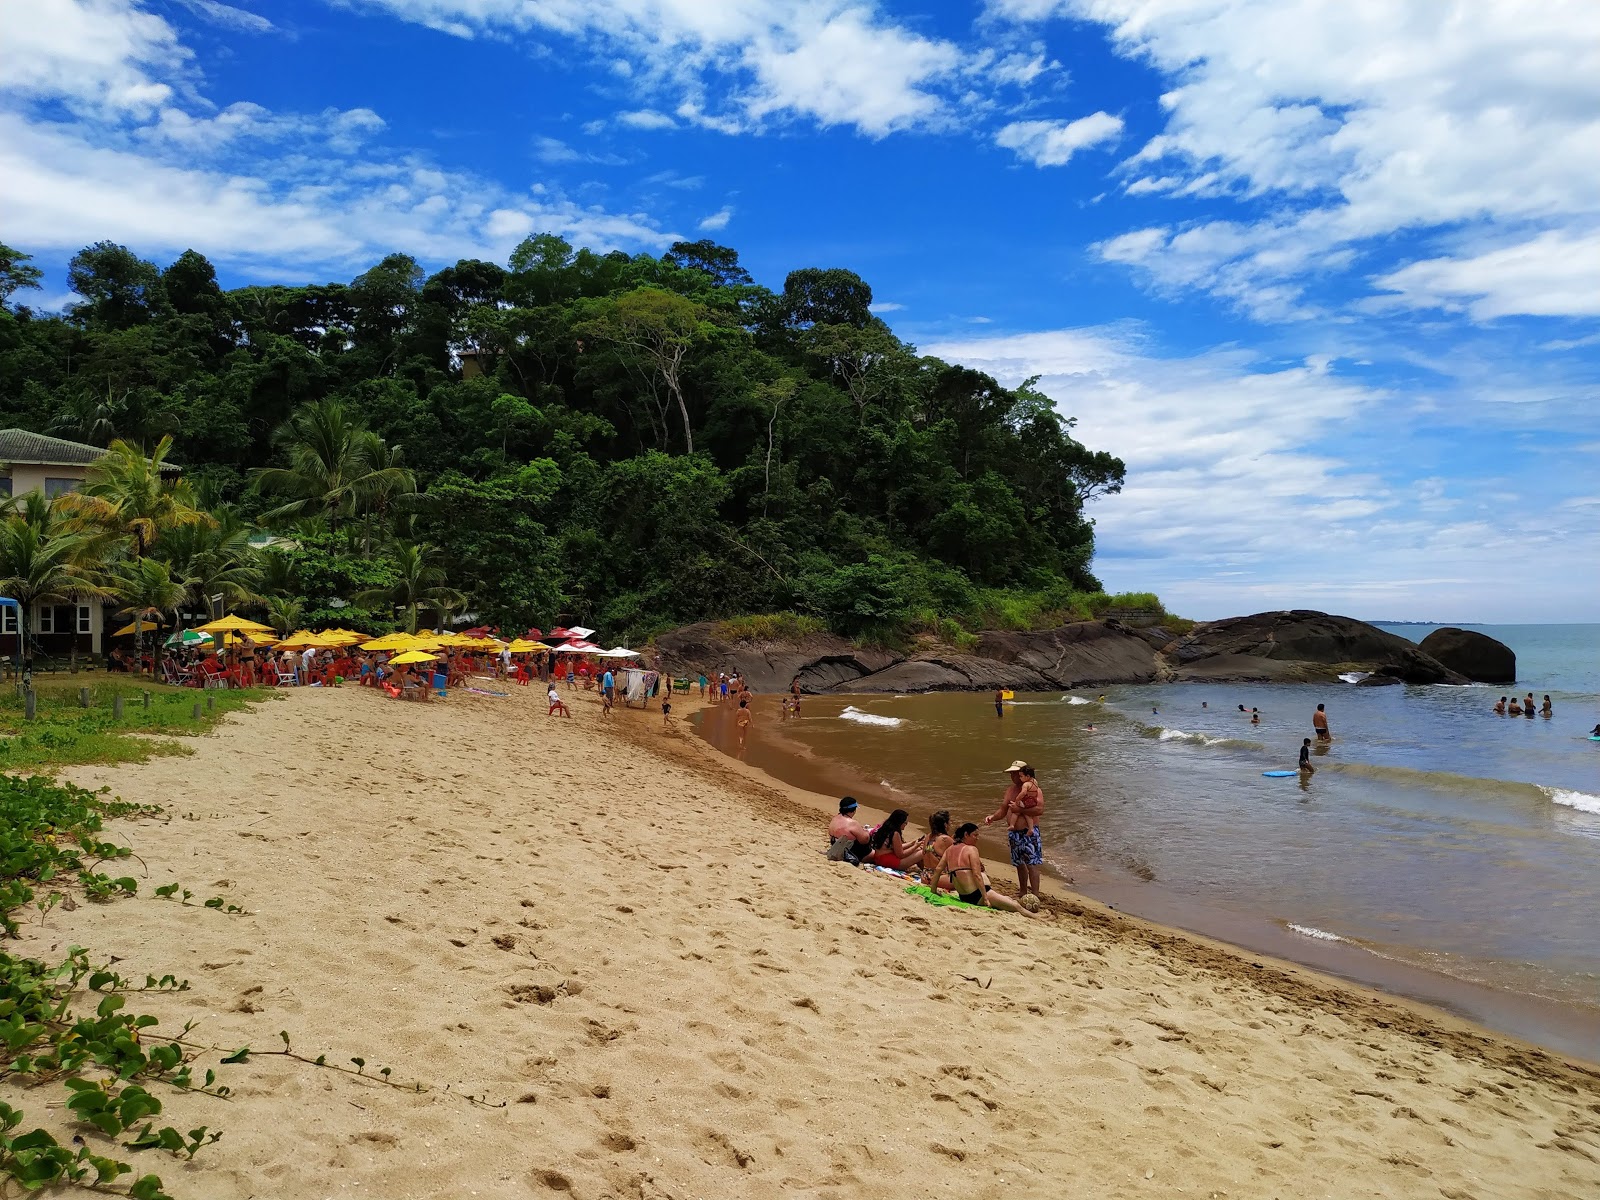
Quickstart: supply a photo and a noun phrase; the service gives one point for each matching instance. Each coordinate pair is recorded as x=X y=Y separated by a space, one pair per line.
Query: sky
x=1324 y=273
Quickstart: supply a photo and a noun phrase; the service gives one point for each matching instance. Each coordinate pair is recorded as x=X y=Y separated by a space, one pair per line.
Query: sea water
x=1434 y=834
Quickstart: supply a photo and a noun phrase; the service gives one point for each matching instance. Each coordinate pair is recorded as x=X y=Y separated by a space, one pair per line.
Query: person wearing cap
x=850 y=841
x=1021 y=809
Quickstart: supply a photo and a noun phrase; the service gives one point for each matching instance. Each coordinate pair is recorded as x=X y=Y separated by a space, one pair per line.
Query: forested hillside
x=628 y=440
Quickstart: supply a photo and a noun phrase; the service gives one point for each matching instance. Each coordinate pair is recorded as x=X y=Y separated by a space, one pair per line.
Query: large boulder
x=1299 y=645
x=1082 y=654
x=821 y=660
x=1478 y=656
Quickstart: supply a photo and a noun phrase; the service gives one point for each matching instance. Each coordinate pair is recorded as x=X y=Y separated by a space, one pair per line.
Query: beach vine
x=50 y=838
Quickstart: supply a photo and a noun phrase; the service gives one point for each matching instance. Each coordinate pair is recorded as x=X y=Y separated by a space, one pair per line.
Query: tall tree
x=16 y=274
x=119 y=288
x=420 y=584
x=658 y=328
x=335 y=468
x=147 y=590
x=128 y=492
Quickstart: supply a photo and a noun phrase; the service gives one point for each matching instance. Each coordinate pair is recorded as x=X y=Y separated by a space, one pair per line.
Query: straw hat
x=1019 y=765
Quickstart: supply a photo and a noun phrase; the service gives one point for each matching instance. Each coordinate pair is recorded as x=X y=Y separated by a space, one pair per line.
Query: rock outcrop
x=1298 y=646
x=1478 y=656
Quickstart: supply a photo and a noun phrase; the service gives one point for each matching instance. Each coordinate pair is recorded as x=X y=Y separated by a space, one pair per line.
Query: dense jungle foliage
x=626 y=440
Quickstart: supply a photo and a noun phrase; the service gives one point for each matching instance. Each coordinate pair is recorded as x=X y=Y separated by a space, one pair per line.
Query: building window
x=8 y=618
x=47 y=618
x=5 y=485
x=54 y=487
x=85 y=619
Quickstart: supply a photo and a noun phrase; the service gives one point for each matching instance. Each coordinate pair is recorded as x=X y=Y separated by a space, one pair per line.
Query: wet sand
x=632 y=948
x=1564 y=1028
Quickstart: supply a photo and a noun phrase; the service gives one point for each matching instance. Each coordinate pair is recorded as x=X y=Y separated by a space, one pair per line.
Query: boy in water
x=1305 y=758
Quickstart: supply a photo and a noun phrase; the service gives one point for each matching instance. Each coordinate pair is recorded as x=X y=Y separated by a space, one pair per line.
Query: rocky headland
x=1290 y=646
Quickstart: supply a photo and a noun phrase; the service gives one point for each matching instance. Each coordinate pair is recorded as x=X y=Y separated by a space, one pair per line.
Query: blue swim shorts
x=1026 y=848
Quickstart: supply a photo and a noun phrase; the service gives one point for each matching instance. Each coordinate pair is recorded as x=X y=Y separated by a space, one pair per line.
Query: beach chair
x=441 y=685
x=286 y=679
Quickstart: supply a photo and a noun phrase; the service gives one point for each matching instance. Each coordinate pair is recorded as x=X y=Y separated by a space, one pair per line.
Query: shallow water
x=1433 y=835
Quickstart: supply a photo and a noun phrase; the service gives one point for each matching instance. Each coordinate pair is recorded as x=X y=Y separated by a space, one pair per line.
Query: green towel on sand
x=943 y=899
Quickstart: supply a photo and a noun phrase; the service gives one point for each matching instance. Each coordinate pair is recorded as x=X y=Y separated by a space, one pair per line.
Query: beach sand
x=634 y=949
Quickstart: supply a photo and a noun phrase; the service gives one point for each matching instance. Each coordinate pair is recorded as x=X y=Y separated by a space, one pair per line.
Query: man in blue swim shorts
x=1021 y=809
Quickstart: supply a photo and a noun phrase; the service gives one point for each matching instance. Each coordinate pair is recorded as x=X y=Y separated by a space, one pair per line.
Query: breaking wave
x=1581 y=801
x=1322 y=935
x=1354 y=676
x=852 y=713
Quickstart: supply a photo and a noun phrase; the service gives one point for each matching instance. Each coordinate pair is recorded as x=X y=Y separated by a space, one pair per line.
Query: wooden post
x=83 y=697
x=147 y=701
x=30 y=704
x=211 y=704
x=197 y=710
x=116 y=708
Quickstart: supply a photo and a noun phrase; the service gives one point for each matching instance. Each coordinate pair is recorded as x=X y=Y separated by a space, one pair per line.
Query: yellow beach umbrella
x=523 y=646
x=302 y=638
x=234 y=624
x=260 y=639
x=391 y=641
x=341 y=637
x=412 y=656
x=136 y=627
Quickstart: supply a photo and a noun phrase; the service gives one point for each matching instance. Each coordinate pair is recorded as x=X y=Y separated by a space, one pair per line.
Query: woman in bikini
x=889 y=847
x=962 y=866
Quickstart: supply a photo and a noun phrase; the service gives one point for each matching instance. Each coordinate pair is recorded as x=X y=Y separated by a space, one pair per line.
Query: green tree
x=335 y=469
x=119 y=288
x=127 y=492
x=419 y=584
x=16 y=274
x=658 y=329
x=37 y=567
x=147 y=590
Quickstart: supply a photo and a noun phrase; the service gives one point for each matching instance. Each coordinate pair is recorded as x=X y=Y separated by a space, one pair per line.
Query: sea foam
x=1581 y=801
x=1354 y=676
x=1322 y=935
x=852 y=713
x=1179 y=735
x=1076 y=700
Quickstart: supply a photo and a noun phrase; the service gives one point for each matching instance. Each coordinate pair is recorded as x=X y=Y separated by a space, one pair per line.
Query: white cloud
x=646 y=118
x=1257 y=485
x=229 y=16
x=734 y=64
x=1553 y=274
x=1353 y=122
x=1052 y=143
x=147 y=162
x=883 y=306
x=90 y=54
x=717 y=220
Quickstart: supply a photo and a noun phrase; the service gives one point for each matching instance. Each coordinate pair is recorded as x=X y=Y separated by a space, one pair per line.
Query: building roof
x=23 y=446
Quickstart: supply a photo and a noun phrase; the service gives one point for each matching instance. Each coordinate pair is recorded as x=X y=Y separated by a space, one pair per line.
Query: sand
x=635 y=953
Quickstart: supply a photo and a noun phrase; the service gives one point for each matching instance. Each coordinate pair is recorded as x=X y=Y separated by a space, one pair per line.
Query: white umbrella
x=580 y=631
x=619 y=652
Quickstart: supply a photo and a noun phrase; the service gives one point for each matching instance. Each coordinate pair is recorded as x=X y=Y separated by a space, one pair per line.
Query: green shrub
x=770 y=627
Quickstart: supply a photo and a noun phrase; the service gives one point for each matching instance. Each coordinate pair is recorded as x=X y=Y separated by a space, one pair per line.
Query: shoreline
x=631 y=947
x=1530 y=1021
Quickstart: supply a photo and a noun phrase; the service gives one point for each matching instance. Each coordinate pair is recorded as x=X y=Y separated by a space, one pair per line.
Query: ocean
x=1439 y=851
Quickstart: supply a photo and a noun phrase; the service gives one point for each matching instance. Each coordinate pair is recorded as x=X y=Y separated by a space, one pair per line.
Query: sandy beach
x=632 y=950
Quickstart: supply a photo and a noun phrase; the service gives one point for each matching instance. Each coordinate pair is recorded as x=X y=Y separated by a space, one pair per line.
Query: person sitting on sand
x=848 y=840
x=1514 y=708
x=557 y=704
x=889 y=847
x=1500 y=708
x=938 y=838
x=1546 y=710
x=960 y=870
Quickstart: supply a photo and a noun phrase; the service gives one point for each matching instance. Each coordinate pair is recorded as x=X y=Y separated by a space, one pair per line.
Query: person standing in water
x=1000 y=703
x=1548 y=710
x=1528 y=706
x=742 y=719
x=1319 y=724
x=1305 y=758
x=1500 y=708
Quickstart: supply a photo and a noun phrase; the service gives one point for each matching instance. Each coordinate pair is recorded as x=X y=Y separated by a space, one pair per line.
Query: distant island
x=1451 y=624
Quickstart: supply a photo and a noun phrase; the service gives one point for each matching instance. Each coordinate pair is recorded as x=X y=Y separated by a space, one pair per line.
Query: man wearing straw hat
x=1022 y=807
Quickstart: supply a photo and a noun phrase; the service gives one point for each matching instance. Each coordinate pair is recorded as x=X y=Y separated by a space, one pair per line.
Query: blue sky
x=1326 y=275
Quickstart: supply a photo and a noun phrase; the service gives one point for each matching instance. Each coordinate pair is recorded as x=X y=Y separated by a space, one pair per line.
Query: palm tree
x=124 y=491
x=419 y=584
x=336 y=466
x=284 y=614
x=42 y=567
x=214 y=558
x=147 y=588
